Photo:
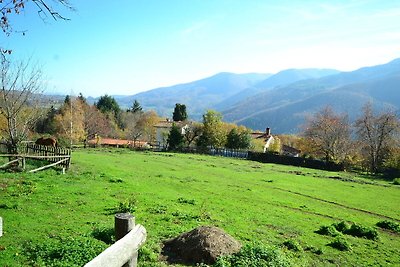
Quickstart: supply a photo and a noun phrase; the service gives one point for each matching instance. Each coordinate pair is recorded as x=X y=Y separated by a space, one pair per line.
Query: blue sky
x=129 y=46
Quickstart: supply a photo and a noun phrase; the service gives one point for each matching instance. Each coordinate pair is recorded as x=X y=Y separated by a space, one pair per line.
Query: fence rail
x=51 y=154
x=56 y=156
x=124 y=252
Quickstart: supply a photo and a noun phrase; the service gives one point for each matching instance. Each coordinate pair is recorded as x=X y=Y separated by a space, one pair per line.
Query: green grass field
x=172 y=193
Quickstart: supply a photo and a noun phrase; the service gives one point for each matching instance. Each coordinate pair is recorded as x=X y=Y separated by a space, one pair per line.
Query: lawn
x=172 y=193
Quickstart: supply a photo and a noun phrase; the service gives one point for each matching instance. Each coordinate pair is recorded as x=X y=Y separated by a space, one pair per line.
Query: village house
x=270 y=140
x=164 y=127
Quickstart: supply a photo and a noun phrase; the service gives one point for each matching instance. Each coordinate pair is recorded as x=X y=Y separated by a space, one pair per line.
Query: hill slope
x=198 y=95
x=284 y=108
x=64 y=220
x=279 y=79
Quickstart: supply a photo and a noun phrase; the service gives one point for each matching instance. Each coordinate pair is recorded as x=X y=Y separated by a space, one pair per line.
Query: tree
x=192 y=132
x=134 y=125
x=179 y=113
x=376 y=134
x=95 y=122
x=20 y=85
x=43 y=8
x=175 y=139
x=46 y=125
x=213 y=130
x=71 y=121
x=330 y=134
x=237 y=139
x=108 y=105
x=136 y=107
x=150 y=118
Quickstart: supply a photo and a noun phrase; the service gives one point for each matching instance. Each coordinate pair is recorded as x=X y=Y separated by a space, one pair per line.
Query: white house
x=164 y=127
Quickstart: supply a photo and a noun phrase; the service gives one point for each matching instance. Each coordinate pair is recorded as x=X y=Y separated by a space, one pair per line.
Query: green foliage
x=396 y=181
x=179 y=112
x=175 y=139
x=70 y=251
x=390 y=225
x=354 y=229
x=362 y=231
x=342 y=226
x=254 y=256
x=328 y=230
x=341 y=244
x=128 y=205
x=136 y=107
x=186 y=201
x=293 y=245
x=238 y=140
x=213 y=132
x=107 y=104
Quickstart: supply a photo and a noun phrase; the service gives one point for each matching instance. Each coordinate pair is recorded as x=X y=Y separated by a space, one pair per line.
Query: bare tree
x=134 y=125
x=376 y=134
x=330 y=134
x=20 y=86
x=44 y=9
x=192 y=132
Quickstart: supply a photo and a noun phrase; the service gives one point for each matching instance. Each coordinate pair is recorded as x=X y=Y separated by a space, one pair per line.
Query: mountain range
x=280 y=101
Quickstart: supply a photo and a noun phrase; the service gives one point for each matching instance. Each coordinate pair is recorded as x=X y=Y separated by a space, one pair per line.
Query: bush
x=254 y=256
x=340 y=244
x=129 y=205
x=329 y=230
x=396 y=181
x=341 y=226
x=393 y=226
x=362 y=231
x=292 y=245
x=354 y=229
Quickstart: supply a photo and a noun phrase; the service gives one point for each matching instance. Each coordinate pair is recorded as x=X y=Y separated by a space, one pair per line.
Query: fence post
x=124 y=222
x=1 y=226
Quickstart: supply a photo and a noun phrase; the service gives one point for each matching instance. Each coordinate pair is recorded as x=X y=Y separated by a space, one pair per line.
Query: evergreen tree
x=179 y=112
x=237 y=139
x=136 y=107
x=175 y=139
x=67 y=100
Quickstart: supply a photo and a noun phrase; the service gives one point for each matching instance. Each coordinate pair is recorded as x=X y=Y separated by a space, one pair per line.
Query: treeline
x=371 y=143
x=77 y=121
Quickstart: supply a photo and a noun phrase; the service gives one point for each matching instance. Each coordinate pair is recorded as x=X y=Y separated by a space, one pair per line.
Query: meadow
x=51 y=219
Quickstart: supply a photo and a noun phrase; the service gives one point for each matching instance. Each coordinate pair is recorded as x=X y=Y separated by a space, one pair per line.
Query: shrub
x=396 y=181
x=386 y=224
x=292 y=245
x=128 y=205
x=182 y=200
x=328 y=230
x=341 y=226
x=254 y=256
x=341 y=244
x=314 y=250
x=362 y=231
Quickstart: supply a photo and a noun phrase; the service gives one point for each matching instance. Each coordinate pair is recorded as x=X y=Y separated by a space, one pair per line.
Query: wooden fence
x=124 y=251
x=50 y=154
x=55 y=156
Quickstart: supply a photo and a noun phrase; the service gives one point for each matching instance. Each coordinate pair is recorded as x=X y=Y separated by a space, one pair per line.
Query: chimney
x=268 y=131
